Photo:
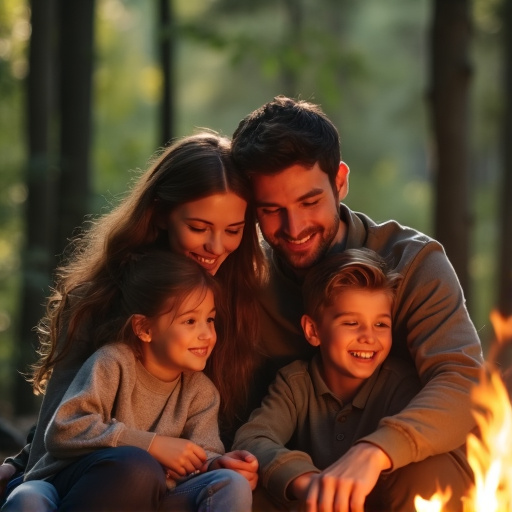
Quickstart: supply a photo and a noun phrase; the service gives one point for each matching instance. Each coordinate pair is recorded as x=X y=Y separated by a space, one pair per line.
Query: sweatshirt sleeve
x=432 y=316
x=267 y=432
x=83 y=421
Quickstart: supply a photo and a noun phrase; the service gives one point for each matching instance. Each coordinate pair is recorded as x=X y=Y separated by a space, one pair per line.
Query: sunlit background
x=366 y=63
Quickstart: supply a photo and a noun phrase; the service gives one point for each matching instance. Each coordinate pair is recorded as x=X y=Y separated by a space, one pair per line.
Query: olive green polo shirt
x=302 y=426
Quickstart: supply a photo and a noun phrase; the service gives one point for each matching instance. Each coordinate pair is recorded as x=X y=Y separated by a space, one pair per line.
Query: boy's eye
x=211 y=320
x=190 y=321
x=310 y=203
x=382 y=325
x=350 y=323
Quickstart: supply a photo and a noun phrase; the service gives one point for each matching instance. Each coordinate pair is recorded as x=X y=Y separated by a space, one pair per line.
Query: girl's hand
x=242 y=462
x=180 y=457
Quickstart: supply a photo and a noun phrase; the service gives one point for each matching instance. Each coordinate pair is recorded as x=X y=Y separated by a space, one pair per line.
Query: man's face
x=298 y=213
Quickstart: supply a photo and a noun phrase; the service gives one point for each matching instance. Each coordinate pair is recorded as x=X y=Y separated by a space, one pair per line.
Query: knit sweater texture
x=114 y=401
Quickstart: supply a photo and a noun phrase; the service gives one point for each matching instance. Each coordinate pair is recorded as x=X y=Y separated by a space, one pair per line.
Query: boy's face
x=180 y=341
x=298 y=213
x=354 y=335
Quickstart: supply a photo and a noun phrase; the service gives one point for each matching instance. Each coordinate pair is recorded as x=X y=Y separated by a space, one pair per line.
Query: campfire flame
x=490 y=451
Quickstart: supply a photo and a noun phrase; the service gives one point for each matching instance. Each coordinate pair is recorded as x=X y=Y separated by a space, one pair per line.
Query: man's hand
x=180 y=457
x=6 y=473
x=344 y=485
x=242 y=462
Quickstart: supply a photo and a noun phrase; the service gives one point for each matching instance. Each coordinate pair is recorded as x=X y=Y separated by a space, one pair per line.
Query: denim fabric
x=111 y=479
x=220 y=490
x=32 y=496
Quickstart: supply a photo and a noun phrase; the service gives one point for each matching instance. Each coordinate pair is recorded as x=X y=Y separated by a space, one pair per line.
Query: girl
x=147 y=390
x=190 y=201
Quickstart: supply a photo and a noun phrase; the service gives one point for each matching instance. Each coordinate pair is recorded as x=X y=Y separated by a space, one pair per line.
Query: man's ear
x=140 y=328
x=342 y=180
x=310 y=330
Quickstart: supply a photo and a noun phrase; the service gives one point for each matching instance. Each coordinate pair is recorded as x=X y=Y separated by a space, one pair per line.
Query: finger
x=310 y=504
x=326 y=495
x=357 y=499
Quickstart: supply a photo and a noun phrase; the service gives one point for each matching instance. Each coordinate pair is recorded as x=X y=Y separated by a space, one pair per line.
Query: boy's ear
x=310 y=330
x=140 y=328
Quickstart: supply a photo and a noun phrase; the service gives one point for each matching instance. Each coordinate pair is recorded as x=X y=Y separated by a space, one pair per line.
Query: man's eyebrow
x=308 y=195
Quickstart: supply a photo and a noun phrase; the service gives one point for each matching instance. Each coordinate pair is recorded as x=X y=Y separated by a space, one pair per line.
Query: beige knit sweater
x=115 y=401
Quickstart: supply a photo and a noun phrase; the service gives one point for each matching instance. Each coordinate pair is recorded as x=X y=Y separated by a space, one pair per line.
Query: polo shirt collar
x=321 y=388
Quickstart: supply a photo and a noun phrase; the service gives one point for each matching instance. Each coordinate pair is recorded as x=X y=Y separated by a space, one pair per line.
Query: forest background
x=160 y=69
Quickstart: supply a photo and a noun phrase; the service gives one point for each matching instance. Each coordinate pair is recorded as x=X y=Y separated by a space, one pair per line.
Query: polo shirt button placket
x=340 y=437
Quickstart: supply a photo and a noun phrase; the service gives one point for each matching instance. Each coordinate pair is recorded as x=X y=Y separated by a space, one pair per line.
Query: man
x=290 y=149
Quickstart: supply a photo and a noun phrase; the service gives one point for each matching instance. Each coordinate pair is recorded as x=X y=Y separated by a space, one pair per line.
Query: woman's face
x=207 y=230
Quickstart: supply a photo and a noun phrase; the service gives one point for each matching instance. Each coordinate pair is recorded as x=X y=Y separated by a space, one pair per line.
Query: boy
x=315 y=411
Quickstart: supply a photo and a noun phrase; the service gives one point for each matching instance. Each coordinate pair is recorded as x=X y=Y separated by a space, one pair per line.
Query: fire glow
x=490 y=449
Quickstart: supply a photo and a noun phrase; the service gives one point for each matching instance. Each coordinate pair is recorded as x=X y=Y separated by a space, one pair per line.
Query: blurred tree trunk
x=449 y=96
x=59 y=127
x=39 y=214
x=76 y=21
x=505 y=238
x=166 y=44
x=293 y=53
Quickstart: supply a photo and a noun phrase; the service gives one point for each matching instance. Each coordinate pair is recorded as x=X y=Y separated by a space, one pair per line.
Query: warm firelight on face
x=490 y=449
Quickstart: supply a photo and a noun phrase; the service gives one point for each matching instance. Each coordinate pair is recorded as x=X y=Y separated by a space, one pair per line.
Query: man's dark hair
x=286 y=132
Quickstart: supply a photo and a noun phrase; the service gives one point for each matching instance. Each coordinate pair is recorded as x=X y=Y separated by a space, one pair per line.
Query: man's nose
x=293 y=223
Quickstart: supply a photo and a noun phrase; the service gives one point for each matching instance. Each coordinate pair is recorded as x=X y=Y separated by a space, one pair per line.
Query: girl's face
x=180 y=340
x=207 y=230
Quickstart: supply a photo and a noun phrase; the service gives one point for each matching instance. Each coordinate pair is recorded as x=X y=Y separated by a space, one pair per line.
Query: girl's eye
x=382 y=325
x=211 y=320
x=349 y=323
x=190 y=321
x=234 y=232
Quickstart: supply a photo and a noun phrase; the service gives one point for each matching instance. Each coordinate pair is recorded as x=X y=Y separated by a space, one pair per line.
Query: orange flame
x=489 y=452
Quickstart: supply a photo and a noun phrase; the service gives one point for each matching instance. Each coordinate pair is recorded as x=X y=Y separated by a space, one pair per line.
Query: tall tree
x=59 y=127
x=449 y=96
x=76 y=21
x=166 y=44
x=505 y=238
x=37 y=258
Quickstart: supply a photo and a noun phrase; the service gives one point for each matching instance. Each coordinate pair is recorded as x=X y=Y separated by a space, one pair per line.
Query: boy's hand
x=344 y=485
x=6 y=473
x=180 y=457
x=242 y=462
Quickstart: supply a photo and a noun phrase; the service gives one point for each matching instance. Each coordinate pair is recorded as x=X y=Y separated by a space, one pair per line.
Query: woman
x=192 y=202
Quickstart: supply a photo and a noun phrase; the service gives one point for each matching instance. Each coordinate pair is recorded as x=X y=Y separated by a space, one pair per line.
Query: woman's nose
x=215 y=245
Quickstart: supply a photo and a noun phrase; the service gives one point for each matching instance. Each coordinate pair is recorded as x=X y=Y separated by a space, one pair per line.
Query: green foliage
x=366 y=63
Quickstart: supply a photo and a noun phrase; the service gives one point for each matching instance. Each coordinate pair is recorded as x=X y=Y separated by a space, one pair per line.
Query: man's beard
x=303 y=262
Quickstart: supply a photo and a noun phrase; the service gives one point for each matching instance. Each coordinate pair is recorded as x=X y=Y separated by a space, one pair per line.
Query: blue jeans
x=130 y=479
x=32 y=496
x=221 y=490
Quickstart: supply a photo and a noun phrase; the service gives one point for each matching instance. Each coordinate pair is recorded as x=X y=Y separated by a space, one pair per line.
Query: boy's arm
x=266 y=433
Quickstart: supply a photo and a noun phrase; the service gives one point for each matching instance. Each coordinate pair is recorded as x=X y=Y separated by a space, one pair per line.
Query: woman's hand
x=180 y=457
x=242 y=462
